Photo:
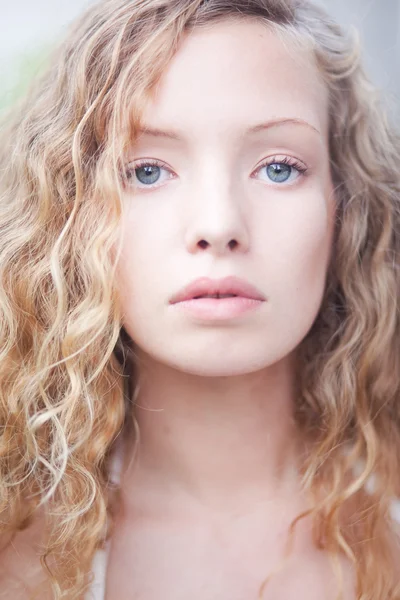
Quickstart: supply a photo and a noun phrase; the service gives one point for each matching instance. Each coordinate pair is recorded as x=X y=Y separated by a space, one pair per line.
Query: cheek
x=301 y=257
x=135 y=274
x=142 y=271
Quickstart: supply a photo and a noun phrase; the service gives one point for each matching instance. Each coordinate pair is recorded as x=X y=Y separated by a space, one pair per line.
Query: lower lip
x=218 y=309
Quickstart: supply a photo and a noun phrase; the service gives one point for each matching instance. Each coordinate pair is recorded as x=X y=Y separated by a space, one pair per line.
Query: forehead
x=234 y=73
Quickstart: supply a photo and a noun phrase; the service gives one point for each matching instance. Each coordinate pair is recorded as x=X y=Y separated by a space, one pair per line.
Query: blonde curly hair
x=67 y=369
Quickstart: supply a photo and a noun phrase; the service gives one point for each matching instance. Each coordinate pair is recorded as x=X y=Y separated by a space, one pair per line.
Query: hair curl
x=66 y=364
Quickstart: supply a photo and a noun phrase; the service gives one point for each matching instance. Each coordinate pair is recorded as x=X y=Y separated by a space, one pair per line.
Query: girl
x=200 y=336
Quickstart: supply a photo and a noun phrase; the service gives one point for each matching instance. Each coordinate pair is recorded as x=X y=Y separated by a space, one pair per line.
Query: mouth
x=217 y=307
x=216 y=296
x=218 y=289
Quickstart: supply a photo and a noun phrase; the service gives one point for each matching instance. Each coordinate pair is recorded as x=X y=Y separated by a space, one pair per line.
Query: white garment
x=99 y=567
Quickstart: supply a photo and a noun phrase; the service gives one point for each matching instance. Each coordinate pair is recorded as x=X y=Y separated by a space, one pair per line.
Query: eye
x=147 y=172
x=286 y=170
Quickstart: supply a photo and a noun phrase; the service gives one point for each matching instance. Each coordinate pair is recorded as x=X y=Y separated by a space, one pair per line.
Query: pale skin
x=206 y=508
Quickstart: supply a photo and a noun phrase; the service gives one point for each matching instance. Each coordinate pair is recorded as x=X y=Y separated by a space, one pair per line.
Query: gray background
x=29 y=27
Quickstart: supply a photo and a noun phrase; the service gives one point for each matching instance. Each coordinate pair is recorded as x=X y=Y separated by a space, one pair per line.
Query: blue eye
x=148 y=172
x=279 y=172
x=283 y=171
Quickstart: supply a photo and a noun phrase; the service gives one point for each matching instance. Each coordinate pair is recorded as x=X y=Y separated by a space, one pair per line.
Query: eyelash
x=152 y=162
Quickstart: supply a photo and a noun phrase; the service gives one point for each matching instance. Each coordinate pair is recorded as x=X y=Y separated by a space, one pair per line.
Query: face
x=228 y=199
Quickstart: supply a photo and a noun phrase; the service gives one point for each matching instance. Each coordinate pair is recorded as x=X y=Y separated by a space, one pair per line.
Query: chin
x=221 y=365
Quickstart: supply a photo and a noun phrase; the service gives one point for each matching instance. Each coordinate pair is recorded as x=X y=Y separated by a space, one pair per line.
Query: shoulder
x=20 y=567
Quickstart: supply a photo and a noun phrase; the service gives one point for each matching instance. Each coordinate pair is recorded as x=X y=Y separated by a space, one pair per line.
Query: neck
x=224 y=441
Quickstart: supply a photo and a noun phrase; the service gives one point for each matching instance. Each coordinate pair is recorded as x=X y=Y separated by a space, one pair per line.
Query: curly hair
x=67 y=368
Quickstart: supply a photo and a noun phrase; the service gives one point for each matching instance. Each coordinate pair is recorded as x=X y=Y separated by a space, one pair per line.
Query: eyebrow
x=174 y=135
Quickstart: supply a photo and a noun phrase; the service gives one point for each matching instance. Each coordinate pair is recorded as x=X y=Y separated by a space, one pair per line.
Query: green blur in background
x=20 y=74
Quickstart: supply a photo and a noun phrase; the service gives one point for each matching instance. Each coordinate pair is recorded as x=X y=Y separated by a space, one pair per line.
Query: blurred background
x=30 y=28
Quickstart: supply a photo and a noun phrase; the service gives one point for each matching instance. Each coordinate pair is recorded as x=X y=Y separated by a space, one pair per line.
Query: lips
x=207 y=287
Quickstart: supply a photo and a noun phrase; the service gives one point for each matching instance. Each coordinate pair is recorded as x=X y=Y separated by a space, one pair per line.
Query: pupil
x=144 y=173
x=279 y=172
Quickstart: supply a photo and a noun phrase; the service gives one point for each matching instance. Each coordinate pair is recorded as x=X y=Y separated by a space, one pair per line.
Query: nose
x=218 y=221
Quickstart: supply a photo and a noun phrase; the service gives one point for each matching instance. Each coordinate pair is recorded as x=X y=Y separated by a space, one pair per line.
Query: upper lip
x=229 y=285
